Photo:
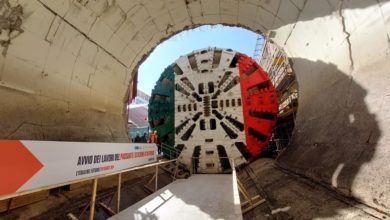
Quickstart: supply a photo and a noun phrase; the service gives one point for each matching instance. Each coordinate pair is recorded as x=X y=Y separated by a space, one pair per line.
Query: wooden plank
x=28 y=199
x=253 y=199
x=149 y=189
x=118 y=201
x=151 y=179
x=156 y=183
x=71 y=216
x=93 y=199
x=254 y=205
x=176 y=170
x=107 y=209
x=166 y=170
x=81 y=180
x=4 y=205
x=242 y=189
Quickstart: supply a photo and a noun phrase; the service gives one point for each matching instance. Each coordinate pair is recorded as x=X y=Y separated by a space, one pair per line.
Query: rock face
x=10 y=23
x=66 y=76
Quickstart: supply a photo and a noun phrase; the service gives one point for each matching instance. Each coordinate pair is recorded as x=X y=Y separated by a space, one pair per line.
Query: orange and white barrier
x=29 y=165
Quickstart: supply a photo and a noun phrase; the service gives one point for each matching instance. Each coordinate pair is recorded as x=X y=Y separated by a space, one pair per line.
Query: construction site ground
x=75 y=200
x=288 y=196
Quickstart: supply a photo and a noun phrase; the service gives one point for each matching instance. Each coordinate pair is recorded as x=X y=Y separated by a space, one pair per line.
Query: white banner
x=27 y=165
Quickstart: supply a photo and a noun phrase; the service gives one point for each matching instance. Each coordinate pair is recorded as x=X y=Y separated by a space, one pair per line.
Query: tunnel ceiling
x=66 y=67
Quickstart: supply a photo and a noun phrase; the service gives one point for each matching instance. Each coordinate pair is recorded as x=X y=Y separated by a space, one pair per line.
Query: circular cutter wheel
x=161 y=109
x=214 y=105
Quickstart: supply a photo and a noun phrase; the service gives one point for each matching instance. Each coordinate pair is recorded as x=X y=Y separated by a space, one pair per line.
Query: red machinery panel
x=260 y=104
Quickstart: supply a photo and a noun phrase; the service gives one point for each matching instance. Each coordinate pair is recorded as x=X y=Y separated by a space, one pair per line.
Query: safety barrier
x=33 y=166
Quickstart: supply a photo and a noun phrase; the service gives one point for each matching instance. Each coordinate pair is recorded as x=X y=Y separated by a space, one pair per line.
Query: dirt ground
x=293 y=197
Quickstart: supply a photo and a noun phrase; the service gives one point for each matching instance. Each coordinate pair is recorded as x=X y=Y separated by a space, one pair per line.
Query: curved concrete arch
x=66 y=76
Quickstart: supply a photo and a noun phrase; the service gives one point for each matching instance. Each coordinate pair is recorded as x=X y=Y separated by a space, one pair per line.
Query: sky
x=185 y=42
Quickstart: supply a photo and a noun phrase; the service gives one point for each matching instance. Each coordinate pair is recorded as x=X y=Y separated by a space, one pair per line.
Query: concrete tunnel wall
x=66 y=76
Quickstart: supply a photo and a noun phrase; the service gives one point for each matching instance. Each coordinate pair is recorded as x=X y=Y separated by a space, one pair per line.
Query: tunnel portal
x=65 y=75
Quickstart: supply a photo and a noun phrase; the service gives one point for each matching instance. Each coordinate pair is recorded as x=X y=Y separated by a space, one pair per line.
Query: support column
x=93 y=199
x=118 y=202
x=156 y=182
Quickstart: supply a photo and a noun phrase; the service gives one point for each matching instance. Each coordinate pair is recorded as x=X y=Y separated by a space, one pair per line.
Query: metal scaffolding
x=276 y=63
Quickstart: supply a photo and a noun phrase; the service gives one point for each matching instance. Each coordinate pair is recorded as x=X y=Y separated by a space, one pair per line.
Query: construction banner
x=28 y=165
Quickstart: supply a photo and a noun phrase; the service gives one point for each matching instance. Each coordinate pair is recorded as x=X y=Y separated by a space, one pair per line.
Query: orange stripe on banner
x=17 y=165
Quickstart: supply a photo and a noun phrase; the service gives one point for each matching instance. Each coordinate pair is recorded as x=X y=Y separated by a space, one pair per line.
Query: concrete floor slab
x=202 y=196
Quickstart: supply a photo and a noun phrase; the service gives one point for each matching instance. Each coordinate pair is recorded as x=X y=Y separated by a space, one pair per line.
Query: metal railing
x=275 y=62
x=95 y=183
x=169 y=152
